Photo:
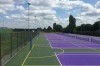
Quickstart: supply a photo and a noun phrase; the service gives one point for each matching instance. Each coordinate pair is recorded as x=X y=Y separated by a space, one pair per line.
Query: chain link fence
x=12 y=43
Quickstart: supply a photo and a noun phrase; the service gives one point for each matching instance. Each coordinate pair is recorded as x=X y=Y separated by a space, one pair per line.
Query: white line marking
x=27 y=56
x=54 y=52
x=58 y=59
x=81 y=65
x=81 y=54
x=86 y=47
x=14 y=55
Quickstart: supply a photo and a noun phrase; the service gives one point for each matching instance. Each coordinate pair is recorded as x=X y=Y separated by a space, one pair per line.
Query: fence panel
x=13 y=42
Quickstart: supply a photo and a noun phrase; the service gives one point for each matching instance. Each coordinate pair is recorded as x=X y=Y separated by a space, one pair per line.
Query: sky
x=43 y=13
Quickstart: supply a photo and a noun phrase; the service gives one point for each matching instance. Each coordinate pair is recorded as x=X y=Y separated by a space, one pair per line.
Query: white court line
x=81 y=65
x=14 y=56
x=54 y=52
x=78 y=53
x=58 y=59
x=81 y=54
x=88 y=44
x=86 y=47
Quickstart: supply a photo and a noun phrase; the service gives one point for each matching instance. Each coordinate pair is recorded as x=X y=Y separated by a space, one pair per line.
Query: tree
x=84 y=27
x=40 y=29
x=96 y=26
x=54 y=27
x=57 y=27
x=44 y=29
x=49 y=29
x=79 y=28
x=65 y=30
x=72 y=24
x=87 y=27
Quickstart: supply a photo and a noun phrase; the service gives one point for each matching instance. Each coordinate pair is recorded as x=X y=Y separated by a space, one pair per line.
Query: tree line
x=71 y=28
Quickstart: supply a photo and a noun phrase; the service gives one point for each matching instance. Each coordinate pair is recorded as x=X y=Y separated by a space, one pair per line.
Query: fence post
x=21 y=41
x=30 y=40
x=0 y=49
x=11 y=44
x=17 y=41
x=24 y=37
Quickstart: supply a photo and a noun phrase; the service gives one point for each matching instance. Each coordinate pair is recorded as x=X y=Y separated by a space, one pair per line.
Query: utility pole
x=28 y=14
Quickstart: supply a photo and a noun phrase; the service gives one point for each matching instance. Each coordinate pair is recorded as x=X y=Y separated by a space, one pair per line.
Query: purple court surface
x=74 y=58
x=79 y=59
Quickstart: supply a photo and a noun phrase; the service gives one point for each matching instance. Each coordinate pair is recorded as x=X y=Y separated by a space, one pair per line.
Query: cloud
x=16 y=11
x=85 y=20
x=6 y=5
x=2 y=11
x=98 y=5
x=6 y=1
x=49 y=3
x=86 y=7
x=19 y=2
x=90 y=13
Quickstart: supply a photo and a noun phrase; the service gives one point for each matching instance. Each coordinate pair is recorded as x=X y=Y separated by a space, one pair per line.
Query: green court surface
x=41 y=54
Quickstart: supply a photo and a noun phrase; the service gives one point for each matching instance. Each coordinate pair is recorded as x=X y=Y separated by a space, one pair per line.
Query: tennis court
x=50 y=49
x=41 y=54
x=76 y=52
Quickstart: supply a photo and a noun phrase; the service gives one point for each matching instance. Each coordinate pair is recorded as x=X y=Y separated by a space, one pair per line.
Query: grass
x=40 y=55
x=5 y=30
x=5 y=35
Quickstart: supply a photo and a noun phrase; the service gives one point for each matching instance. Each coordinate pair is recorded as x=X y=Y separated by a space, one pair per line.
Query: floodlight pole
x=35 y=21
x=28 y=16
x=30 y=40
